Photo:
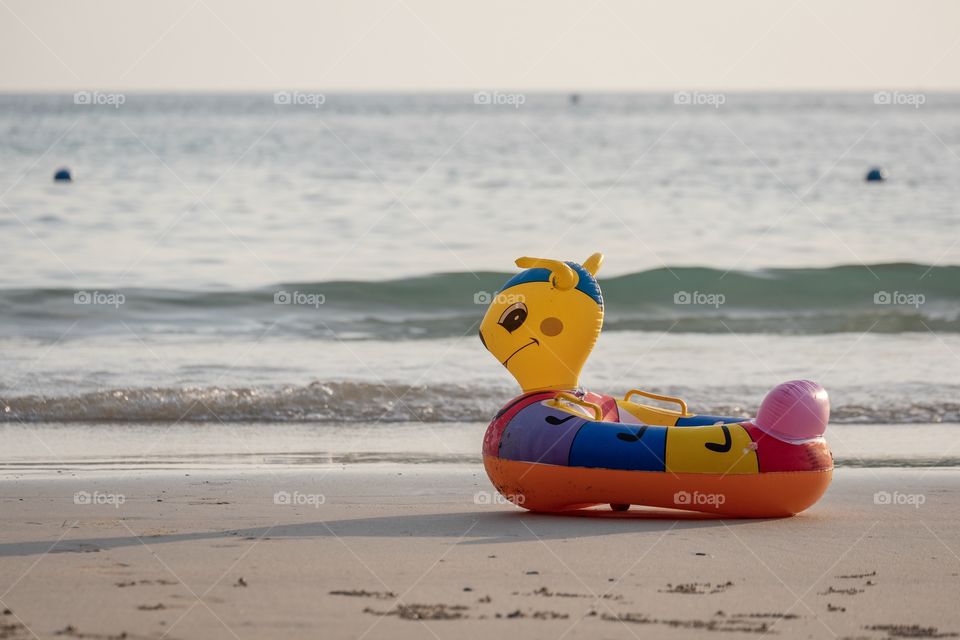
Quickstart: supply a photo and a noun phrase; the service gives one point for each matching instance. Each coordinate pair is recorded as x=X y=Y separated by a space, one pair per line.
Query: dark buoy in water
x=876 y=174
x=574 y=98
x=62 y=175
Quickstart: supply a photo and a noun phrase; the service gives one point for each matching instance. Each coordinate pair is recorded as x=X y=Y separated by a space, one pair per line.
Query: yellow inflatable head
x=544 y=321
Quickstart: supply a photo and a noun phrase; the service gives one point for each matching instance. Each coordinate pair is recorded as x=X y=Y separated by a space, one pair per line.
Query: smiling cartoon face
x=544 y=321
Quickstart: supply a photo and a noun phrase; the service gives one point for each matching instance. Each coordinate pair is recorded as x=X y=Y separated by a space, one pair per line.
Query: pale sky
x=440 y=45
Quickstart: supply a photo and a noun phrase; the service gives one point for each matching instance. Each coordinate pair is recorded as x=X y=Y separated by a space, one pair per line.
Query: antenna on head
x=561 y=275
x=592 y=264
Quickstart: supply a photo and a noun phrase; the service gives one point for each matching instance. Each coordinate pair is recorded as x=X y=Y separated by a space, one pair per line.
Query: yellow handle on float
x=657 y=396
x=569 y=397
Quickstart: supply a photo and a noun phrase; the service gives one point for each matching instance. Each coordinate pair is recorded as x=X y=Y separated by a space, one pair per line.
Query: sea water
x=225 y=260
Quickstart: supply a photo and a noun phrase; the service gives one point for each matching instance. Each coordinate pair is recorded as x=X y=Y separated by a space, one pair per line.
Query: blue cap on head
x=586 y=284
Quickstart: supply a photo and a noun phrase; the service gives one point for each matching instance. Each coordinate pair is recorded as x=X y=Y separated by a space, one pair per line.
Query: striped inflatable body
x=548 y=454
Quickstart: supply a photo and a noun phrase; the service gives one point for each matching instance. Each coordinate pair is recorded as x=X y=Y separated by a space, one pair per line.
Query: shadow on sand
x=473 y=527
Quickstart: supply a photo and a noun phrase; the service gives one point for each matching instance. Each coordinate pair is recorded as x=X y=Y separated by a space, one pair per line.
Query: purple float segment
x=539 y=433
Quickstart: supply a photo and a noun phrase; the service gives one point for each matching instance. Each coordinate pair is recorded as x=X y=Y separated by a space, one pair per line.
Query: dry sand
x=424 y=552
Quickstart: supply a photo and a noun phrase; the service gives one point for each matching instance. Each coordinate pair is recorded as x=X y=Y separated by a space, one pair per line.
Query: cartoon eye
x=513 y=316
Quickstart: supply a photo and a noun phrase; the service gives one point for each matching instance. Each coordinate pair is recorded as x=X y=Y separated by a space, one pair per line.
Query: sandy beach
x=421 y=551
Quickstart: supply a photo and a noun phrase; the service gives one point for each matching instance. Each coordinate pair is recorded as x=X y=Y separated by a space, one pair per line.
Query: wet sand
x=425 y=551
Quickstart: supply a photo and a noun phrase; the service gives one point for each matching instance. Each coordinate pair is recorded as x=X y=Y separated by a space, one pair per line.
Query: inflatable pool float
x=558 y=447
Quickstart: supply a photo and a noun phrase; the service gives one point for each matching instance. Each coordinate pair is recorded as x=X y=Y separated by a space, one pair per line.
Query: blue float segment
x=699 y=421
x=615 y=445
